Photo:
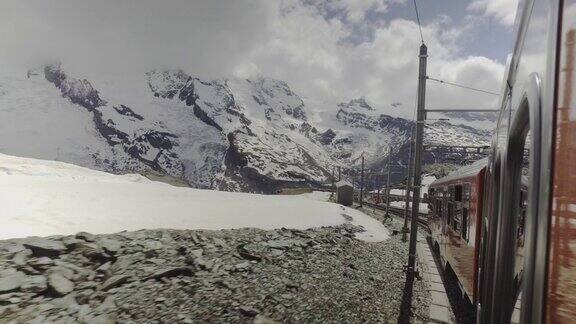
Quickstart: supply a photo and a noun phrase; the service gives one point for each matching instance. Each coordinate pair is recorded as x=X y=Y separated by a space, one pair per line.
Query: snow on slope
x=36 y=121
x=251 y=135
x=423 y=208
x=42 y=198
x=317 y=195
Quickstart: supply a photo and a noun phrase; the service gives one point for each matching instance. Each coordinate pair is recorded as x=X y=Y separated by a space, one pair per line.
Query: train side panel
x=454 y=219
x=561 y=303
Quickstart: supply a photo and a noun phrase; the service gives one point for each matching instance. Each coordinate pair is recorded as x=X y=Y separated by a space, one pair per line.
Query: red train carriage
x=455 y=204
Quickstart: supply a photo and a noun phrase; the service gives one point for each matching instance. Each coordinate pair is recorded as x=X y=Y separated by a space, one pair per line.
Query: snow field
x=41 y=198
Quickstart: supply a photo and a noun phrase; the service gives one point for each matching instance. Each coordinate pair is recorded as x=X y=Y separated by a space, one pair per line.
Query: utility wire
x=462 y=86
x=418 y=19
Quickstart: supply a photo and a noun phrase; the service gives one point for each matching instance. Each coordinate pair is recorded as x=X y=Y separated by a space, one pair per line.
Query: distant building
x=344 y=193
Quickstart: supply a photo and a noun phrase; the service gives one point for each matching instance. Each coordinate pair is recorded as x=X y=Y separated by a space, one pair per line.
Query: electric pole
x=408 y=187
x=333 y=176
x=362 y=181
x=378 y=187
x=418 y=157
x=388 y=182
x=339 y=173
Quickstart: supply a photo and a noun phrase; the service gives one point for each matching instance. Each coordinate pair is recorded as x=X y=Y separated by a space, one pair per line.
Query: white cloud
x=354 y=11
x=281 y=39
x=503 y=10
x=207 y=37
x=317 y=64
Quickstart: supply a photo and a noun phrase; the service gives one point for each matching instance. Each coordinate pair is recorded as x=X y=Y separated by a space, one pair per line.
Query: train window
x=439 y=207
x=453 y=217
x=521 y=218
x=458 y=193
x=457 y=217
x=465 y=209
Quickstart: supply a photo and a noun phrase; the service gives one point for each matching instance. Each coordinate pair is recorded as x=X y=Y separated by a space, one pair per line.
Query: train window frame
x=465 y=225
x=527 y=118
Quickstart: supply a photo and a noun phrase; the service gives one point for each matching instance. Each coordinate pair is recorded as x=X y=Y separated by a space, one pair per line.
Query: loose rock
x=114 y=281
x=88 y=237
x=248 y=311
x=171 y=272
x=42 y=247
x=213 y=276
x=11 y=282
x=34 y=284
x=110 y=245
x=261 y=319
x=60 y=284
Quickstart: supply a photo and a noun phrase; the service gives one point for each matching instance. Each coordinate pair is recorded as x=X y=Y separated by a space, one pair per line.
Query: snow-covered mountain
x=230 y=134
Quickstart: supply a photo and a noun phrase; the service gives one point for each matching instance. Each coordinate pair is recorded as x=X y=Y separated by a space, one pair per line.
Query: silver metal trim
x=533 y=99
x=526 y=117
x=539 y=283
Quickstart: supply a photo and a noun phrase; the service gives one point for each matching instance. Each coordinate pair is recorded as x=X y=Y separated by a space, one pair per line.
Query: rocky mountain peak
x=166 y=83
x=79 y=91
x=357 y=104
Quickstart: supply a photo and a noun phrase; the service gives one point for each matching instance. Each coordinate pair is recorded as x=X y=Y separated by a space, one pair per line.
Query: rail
x=422 y=218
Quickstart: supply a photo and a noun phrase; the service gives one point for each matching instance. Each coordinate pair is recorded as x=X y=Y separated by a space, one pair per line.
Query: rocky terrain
x=319 y=275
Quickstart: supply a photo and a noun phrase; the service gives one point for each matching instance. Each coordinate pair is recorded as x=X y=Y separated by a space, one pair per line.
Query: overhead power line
x=418 y=19
x=463 y=86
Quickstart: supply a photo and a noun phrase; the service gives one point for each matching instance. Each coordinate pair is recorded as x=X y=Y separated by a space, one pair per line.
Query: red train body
x=455 y=215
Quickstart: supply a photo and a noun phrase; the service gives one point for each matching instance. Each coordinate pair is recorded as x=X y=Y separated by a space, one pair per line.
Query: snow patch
x=42 y=198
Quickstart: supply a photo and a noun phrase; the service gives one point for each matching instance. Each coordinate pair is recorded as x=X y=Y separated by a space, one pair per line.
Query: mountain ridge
x=231 y=134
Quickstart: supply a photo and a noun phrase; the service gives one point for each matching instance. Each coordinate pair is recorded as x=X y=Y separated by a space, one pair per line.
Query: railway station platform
x=440 y=310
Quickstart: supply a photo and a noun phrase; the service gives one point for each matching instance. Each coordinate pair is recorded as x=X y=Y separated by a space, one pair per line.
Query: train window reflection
x=520 y=227
x=458 y=193
x=465 y=224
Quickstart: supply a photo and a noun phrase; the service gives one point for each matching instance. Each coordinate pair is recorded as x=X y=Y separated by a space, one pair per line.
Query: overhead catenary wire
x=463 y=86
x=418 y=20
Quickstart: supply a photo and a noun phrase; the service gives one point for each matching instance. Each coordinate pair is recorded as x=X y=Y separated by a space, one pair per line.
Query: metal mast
x=418 y=157
x=362 y=182
x=408 y=187
x=388 y=182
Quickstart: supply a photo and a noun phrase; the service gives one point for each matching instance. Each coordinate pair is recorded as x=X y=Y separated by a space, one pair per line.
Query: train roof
x=463 y=172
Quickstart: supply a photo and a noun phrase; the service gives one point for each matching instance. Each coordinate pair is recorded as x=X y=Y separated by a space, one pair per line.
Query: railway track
x=422 y=218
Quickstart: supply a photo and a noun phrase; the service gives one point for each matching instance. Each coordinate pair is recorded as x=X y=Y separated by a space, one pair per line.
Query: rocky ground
x=236 y=276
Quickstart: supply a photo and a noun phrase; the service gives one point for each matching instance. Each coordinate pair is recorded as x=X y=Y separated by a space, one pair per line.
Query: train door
x=461 y=252
x=437 y=218
x=448 y=232
x=519 y=163
x=445 y=220
x=529 y=101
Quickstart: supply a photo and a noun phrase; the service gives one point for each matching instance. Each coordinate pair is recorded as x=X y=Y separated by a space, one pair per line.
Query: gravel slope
x=321 y=275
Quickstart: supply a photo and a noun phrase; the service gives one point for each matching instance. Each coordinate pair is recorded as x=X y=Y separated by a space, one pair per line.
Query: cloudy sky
x=325 y=49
